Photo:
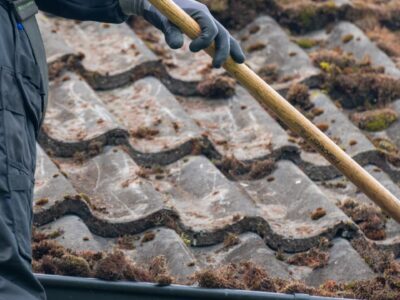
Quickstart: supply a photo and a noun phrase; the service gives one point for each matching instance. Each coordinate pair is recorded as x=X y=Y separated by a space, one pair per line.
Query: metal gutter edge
x=74 y=288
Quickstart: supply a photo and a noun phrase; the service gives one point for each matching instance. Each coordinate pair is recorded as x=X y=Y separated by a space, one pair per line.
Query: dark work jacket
x=107 y=11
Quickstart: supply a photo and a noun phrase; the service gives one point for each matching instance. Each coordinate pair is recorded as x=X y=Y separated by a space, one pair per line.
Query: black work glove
x=212 y=30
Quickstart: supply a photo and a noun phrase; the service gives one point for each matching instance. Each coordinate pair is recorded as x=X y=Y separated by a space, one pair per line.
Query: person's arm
x=212 y=30
x=108 y=11
x=117 y=11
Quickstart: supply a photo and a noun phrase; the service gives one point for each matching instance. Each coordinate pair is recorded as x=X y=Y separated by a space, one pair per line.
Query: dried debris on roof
x=174 y=174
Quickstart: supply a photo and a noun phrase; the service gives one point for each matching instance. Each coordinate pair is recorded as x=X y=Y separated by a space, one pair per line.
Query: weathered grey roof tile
x=104 y=66
x=268 y=44
x=160 y=130
x=239 y=126
x=56 y=47
x=289 y=211
x=344 y=265
x=76 y=118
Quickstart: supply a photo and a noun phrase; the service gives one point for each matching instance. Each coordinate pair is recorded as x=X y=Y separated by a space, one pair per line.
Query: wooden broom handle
x=290 y=116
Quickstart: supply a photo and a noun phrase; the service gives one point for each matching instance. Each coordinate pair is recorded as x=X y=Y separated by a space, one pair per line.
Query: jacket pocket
x=20 y=116
x=21 y=110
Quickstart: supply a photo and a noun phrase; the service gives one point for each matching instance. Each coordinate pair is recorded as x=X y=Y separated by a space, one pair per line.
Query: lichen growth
x=375 y=120
x=389 y=149
x=307 y=43
x=347 y=38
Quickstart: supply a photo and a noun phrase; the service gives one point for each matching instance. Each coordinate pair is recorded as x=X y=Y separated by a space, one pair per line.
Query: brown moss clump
x=111 y=267
x=386 y=40
x=385 y=286
x=307 y=15
x=230 y=241
x=269 y=73
x=355 y=83
x=71 y=265
x=159 y=270
x=314 y=258
x=50 y=257
x=144 y=133
x=248 y=276
x=42 y=202
x=375 y=120
x=377 y=259
x=298 y=95
x=256 y=47
x=318 y=213
x=148 y=237
x=324 y=127
x=147 y=173
x=347 y=38
x=237 y=169
x=239 y=13
x=217 y=87
x=389 y=149
x=369 y=218
x=237 y=276
x=297 y=287
x=126 y=242
x=38 y=236
x=137 y=274
x=47 y=247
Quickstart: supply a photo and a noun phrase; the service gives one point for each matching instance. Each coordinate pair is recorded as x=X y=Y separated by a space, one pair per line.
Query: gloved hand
x=211 y=29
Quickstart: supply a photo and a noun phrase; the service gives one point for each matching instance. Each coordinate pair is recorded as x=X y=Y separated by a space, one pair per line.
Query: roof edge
x=66 y=288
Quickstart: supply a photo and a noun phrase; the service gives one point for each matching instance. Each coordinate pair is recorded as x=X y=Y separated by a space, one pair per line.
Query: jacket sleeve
x=108 y=11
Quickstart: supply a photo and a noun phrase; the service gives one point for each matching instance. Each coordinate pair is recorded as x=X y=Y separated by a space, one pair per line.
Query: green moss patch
x=355 y=83
x=375 y=120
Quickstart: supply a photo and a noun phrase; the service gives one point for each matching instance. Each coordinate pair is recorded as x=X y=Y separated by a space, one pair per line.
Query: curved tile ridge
x=342 y=189
x=50 y=186
x=250 y=247
x=272 y=54
x=344 y=133
x=111 y=55
x=59 y=54
x=114 y=196
x=77 y=120
x=239 y=127
x=160 y=131
x=183 y=261
x=293 y=212
x=113 y=184
x=142 y=248
x=206 y=202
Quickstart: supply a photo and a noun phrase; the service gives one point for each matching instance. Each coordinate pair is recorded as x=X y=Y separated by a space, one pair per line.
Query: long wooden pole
x=290 y=116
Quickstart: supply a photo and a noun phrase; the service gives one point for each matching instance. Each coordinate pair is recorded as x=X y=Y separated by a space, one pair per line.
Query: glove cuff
x=133 y=7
